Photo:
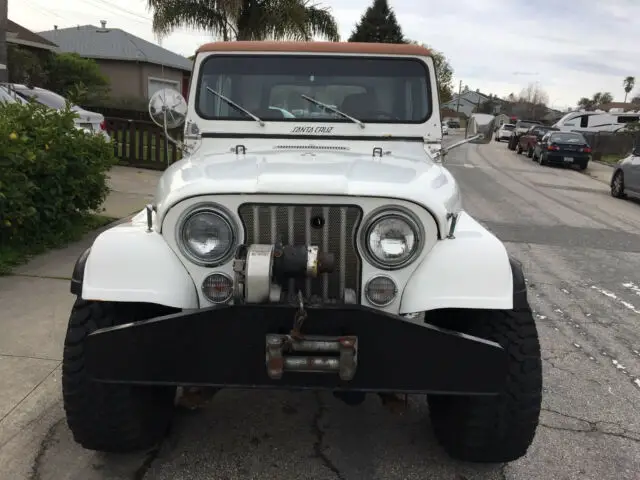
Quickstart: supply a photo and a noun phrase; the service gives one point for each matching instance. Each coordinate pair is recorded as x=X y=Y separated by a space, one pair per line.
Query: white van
x=597 y=121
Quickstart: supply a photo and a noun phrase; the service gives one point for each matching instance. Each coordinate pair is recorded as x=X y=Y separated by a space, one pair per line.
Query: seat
x=359 y=104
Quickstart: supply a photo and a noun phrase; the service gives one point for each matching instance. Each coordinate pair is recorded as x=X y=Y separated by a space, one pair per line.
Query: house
x=135 y=68
x=25 y=39
x=447 y=115
x=471 y=100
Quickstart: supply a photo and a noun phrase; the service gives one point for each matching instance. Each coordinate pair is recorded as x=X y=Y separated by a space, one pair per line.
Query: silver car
x=86 y=120
x=626 y=176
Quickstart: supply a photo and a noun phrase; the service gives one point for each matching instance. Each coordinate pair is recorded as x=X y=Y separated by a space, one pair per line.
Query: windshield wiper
x=334 y=110
x=236 y=106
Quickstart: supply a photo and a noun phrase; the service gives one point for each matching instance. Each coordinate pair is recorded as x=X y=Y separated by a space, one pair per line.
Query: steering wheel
x=382 y=113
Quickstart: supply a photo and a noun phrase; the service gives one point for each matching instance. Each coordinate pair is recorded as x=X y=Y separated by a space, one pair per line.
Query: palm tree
x=246 y=19
x=628 y=84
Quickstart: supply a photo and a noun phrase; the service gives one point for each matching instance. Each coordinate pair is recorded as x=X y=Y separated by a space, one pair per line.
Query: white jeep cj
x=310 y=239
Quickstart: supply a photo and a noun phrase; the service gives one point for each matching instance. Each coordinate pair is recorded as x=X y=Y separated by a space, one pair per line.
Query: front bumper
x=237 y=346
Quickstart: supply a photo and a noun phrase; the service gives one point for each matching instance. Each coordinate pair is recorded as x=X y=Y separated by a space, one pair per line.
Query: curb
x=603 y=163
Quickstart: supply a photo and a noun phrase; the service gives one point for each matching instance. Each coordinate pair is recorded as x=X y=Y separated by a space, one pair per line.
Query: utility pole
x=4 y=11
x=459 y=89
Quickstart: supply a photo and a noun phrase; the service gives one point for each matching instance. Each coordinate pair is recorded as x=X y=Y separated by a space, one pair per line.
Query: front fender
x=472 y=270
x=128 y=264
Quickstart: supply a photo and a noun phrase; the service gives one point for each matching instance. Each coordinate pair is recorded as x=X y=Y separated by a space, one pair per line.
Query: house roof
x=317 y=47
x=106 y=43
x=18 y=35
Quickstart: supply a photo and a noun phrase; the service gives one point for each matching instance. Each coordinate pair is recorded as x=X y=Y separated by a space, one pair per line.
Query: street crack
x=47 y=442
x=318 y=446
x=152 y=454
x=591 y=426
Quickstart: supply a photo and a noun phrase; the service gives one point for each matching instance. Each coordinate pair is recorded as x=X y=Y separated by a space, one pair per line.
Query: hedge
x=52 y=175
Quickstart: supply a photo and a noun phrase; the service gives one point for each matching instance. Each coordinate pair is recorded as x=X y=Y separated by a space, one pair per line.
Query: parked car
x=563 y=148
x=445 y=129
x=521 y=127
x=504 y=132
x=86 y=120
x=329 y=256
x=528 y=141
x=625 y=179
x=453 y=124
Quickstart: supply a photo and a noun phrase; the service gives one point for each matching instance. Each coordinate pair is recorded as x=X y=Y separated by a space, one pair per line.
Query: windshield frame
x=428 y=95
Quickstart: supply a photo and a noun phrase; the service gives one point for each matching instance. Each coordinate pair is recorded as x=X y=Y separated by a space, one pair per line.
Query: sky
x=570 y=48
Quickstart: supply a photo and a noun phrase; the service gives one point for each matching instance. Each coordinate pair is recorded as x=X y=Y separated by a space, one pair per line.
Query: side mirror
x=168 y=110
x=479 y=128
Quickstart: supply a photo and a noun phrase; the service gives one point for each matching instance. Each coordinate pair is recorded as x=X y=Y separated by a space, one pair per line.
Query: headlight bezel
x=381 y=213
x=222 y=213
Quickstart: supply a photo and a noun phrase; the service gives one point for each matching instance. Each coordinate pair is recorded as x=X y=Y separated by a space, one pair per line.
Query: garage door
x=156 y=84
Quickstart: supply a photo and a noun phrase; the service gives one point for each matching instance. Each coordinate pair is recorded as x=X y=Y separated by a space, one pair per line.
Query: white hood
x=407 y=174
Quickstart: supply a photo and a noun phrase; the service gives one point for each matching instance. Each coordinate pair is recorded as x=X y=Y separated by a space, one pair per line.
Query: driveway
x=581 y=252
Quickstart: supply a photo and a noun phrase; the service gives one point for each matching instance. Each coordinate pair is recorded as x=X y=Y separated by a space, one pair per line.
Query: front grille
x=293 y=225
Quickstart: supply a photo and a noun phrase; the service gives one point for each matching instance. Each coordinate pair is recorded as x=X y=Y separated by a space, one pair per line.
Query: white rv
x=598 y=121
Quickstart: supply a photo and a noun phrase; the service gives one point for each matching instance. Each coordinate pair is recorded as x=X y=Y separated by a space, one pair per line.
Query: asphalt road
x=580 y=249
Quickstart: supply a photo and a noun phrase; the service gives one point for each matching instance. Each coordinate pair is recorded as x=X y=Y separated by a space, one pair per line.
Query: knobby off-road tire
x=500 y=428
x=109 y=417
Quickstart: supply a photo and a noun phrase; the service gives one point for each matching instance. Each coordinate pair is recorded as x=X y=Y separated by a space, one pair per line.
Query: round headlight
x=392 y=241
x=206 y=237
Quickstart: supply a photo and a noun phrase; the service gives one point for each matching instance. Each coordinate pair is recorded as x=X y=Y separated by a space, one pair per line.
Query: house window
x=155 y=84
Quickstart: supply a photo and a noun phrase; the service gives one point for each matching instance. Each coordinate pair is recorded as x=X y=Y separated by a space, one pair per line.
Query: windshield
x=508 y=126
x=567 y=138
x=273 y=87
x=45 y=97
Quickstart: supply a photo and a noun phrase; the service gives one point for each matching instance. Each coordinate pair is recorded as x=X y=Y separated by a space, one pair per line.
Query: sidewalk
x=599 y=171
x=36 y=303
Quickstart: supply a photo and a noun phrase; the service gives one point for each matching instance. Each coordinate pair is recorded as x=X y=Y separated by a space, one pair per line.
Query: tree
x=444 y=72
x=532 y=102
x=636 y=100
x=25 y=66
x=378 y=24
x=628 y=83
x=465 y=89
x=246 y=19
x=488 y=106
x=76 y=78
x=598 y=100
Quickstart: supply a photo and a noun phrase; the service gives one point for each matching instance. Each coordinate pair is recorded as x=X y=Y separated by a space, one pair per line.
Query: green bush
x=52 y=175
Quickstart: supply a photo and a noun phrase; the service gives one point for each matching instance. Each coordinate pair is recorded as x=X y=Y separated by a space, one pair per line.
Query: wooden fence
x=142 y=143
x=609 y=143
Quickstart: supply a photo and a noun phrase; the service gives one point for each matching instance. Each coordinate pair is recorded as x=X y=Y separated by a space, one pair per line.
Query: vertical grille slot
x=292 y=225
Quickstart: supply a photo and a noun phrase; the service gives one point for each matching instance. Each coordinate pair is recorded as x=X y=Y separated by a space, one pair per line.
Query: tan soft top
x=317 y=47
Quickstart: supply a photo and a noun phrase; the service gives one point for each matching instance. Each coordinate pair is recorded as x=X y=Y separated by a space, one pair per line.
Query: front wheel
x=541 y=159
x=617 y=185
x=492 y=429
x=110 y=417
